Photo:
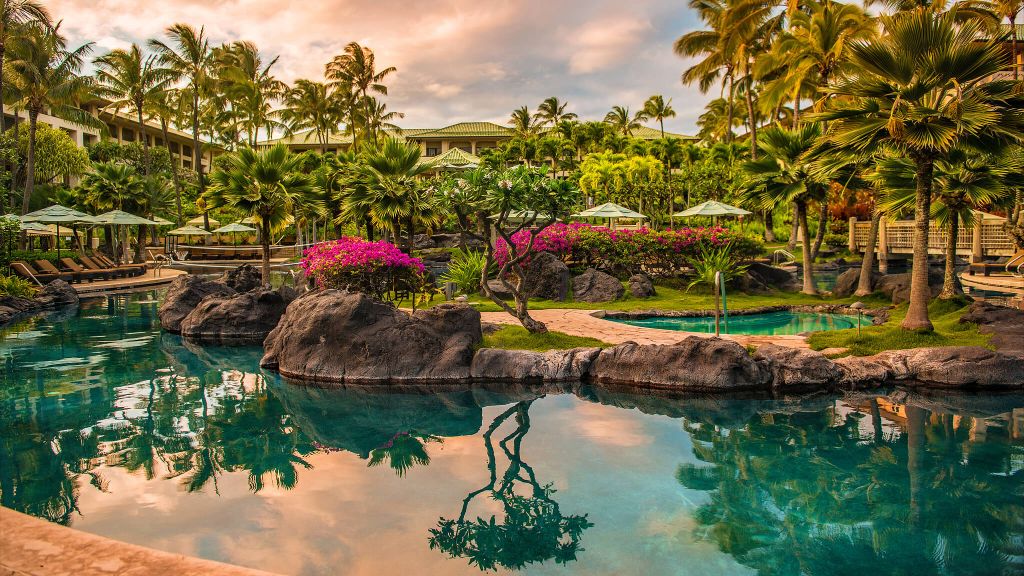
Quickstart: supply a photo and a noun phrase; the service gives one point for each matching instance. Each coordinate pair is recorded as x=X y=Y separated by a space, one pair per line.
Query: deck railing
x=985 y=238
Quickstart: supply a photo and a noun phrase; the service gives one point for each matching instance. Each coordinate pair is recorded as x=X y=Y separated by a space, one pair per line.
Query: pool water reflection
x=109 y=426
x=764 y=324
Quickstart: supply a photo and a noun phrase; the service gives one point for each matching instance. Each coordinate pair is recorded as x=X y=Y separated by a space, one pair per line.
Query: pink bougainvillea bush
x=625 y=252
x=376 y=268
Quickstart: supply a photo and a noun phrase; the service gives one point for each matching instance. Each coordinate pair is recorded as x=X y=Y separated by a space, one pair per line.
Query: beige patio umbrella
x=57 y=215
x=611 y=211
x=121 y=218
x=233 y=229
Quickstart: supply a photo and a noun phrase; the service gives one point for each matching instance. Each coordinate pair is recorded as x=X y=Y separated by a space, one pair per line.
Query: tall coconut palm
x=620 y=119
x=165 y=106
x=717 y=53
x=187 y=52
x=656 y=108
x=713 y=122
x=45 y=75
x=14 y=14
x=1010 y=10
x=381 y=118
x=114 y=186
x=266 y=185
x=250 y=86
x=552 y=111
x=783 y=176
x=130 y=80
x=523 y=123
x=310 y=105
x=921 y=90
x=357 y=67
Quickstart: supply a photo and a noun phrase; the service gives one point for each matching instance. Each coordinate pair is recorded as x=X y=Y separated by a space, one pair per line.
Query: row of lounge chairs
x=97 y=267
x=224 y=253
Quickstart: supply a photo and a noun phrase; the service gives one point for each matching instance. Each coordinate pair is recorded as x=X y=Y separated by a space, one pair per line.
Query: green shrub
x=836 y=241
x=710 y=260
x=465 y=270
x=15 y=286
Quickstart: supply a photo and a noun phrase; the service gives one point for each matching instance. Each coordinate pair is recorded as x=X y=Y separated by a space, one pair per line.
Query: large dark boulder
x=183 y=295
x=56 y=294
x=243 y=279
x=641 y=286
x=498 y=289
x=237 y=319
x=547 y=277
x=772 y=277
x=525 y=365
x=897 y=286
x=961 y=367
x=1006 y=325
x=693 y=364
x=11 y=307
x=793 y=368
x=596 y=286
x=846 y=283
x=335 y=336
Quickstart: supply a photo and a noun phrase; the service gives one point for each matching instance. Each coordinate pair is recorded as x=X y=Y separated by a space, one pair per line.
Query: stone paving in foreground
x=582 y=323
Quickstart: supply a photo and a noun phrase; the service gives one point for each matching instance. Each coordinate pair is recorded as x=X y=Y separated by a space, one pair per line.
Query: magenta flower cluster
x=353 y=263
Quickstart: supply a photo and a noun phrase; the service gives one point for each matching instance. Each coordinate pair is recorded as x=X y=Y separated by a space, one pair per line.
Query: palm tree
x=1008 y=9
x=523 y=123
x=717 y=52
x=266 y=185
x=921 y=90
x=552 y=111
x=13 y=15
x=783 y=176
x=381 y=118
x=165 y=106
x=114 y=186
x=620 y=119
x=655 y=108
x=46 y=76
x=188 y=54
x=713 y=122
x=309 y=105
x=249 y=86
x=129 y=81
x=357 y=67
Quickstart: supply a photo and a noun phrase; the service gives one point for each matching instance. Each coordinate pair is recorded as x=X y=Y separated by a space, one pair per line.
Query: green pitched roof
x=466 y=130
x=453 y=158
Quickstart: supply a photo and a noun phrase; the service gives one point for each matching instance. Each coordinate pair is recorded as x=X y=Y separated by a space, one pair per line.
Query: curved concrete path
x=583 y=323
x=30 y=546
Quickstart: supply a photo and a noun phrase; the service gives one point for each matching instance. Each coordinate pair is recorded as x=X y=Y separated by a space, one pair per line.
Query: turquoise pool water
x=111 y=427
x=768 y=324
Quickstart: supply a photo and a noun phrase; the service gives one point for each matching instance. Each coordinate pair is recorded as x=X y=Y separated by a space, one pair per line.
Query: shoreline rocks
x=183 y=295
x=55 y=295
x=245 y=318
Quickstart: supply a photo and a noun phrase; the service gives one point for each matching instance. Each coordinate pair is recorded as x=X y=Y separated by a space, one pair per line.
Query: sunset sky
x=457 y=59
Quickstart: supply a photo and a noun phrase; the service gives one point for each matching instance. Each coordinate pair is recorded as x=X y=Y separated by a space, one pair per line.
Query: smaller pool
x=767 y=324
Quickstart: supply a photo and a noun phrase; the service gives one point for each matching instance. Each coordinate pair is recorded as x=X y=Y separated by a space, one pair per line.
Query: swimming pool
x=766 y=324
x=114 y=428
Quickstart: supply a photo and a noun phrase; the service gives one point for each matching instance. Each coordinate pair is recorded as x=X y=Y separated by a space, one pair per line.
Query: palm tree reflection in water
x=533 y=529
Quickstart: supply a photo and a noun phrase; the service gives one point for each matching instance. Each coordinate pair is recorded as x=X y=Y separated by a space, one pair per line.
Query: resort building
x=469 y=137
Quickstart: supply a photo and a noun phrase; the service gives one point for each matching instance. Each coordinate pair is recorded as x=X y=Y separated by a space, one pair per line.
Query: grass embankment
x=945 y=317
x=677 y=298
x=517 y=338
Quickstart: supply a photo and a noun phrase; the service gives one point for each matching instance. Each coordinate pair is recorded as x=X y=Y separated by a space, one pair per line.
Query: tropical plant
x=922 y=90
x=465 y=270
x=14 y=15
x=622 y=122
x=715 y=261
x=523 y=123
x=656 y=108
x=250 y=87
x=267 y=185
x=355 y=72
x=552 y=111
x=56 y=154
x=16 y=287
x=311 y=106
x=378 y=269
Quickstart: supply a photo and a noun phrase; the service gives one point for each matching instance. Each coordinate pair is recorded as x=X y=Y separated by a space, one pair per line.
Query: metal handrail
x=786 y=253
x=1020 y=265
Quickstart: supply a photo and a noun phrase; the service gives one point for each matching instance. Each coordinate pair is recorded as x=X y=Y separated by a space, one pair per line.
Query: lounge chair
x=47 y=267
x=132 y=269
x=70 y=264
x=1010 y=265
x=109 y=272
x=26 y=271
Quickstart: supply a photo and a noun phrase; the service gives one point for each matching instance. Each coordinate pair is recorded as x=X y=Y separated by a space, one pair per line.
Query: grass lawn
x=517 y=338
x=945 y=317
x=675 y=298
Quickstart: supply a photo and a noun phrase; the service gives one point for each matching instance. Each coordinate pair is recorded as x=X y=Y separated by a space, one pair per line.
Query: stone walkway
x=582 y=323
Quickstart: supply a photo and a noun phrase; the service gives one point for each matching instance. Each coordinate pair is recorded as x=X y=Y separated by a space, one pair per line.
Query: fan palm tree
x=13 y=15
x=114 y=186
x=783 y=176
x=130 y=80
x=188 y=54
x=309 y=106
x=523 y=123
x=921 y=91
x=656 y=108
x=266 y=185
x=45 y=75
x=552 y=111
x=620 y=119
x=717 y=53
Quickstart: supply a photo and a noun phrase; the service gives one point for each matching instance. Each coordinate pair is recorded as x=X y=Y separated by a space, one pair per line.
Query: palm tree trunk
x=729 y=112
x=949 y=274
x=2 y=52
x=920 y=293
x=753 y=119
x=30 y=161
x=819 y=236
x=1013 y=46
x=265 y=245
x=145 y=140
x=796 y=110
x=174 y=170
x=808 y=262
x=197 y=155
x=661 y=121
x=794 y=230
x=16 y=168
x=140 y=241
x=864 y=286
x=916 y=419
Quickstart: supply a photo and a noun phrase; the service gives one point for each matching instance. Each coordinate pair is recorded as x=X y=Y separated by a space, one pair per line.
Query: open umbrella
x=198 y=221
x=712 y=209
x=122 y=218
x=520 y=215
x=188 y=231
x=161 y=221
x=611 y=211
x=58 y=215
x=233 y=229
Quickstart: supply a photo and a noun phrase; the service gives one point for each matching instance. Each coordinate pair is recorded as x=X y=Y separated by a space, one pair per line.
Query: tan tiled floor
x=582 y=323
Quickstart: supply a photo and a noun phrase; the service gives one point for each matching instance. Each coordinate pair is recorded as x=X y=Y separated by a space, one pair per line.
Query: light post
x=859 y=307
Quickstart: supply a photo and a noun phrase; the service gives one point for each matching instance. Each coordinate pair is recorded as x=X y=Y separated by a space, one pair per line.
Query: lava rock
x=243 y=279
x=237 y=319
x=335 y=336
x=525 y=365
x=422 y=242
x=693 y=364
x=1006 y=325
x=498 y=289
x=897 y=286
x=596 y=286
x=547 y=277
x=961 y=367
x=772 y=277
x=56 y=294
x=797 y=367
x=641 y=286
x=846 y=283
x=183 y=295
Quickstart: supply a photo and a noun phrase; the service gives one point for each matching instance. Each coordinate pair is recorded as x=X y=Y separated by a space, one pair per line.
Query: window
x=112 y=130
x=175 y=149
x=186 y=151
x=187 y=164
x=127 y=135
x=433 y=150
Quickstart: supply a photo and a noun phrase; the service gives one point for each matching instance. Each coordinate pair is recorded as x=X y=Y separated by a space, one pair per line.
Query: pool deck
x=33 y=547
x=584 y=323
x=151 y=279
x=994 y=282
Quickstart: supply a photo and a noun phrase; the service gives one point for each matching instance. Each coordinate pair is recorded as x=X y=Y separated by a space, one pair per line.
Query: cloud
x=456 y=59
